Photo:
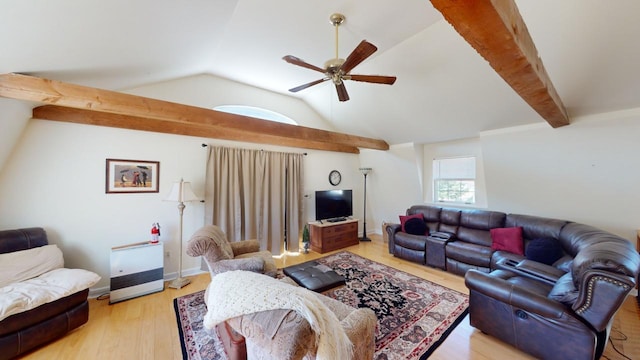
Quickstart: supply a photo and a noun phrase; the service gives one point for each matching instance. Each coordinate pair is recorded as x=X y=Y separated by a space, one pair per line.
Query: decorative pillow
x=416 y=226
x=507 y=239
x=564 y=290
x=22 y=265
x=404 y=218
x=544 y=250
x=564 y=263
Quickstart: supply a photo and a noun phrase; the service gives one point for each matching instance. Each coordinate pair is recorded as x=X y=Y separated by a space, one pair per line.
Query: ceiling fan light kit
x=338 y=70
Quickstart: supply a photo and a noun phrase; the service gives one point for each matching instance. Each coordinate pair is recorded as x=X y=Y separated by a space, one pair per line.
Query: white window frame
x=455 y=172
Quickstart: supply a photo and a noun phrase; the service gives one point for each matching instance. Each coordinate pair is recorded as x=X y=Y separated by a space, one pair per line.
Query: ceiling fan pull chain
x=337 y=25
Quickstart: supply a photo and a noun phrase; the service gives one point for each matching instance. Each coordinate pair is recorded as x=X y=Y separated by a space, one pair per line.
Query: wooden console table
x=328 y=236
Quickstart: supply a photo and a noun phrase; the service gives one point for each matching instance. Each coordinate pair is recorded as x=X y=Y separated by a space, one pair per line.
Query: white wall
x=14 y=116
x=393 y=185
x=586 y=172
x=55 y=177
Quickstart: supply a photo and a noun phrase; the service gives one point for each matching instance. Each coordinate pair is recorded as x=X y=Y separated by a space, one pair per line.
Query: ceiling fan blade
x=310 y=84
x=297 y=61
x=377 y=79
x=342 y=92
x=358 y=55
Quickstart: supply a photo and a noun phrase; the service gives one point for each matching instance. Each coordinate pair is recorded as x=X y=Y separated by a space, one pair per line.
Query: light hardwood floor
x=145 y=327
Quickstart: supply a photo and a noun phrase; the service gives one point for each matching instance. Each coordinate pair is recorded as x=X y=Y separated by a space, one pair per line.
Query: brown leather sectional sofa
x=559 y=310
x=22 y=332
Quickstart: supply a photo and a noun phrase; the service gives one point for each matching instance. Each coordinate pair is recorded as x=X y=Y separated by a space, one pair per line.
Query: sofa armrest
x=443 y=236
x=275 y=334
x=360 y=327
x=245 y=246
x=601 y=295
x=520 y=297
x=532 y=269
x=392 y=229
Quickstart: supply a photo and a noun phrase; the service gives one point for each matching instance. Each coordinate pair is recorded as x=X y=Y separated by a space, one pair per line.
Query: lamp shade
x=365 y=170
x=181 y=192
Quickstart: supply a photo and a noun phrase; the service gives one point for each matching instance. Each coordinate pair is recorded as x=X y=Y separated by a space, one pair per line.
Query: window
x=256 y=112
x=454 y=180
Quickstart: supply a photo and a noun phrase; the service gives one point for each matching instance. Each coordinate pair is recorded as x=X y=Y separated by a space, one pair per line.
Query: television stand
x=328 y=236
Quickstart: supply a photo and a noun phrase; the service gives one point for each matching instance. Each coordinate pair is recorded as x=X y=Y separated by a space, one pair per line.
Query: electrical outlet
x=167 y=254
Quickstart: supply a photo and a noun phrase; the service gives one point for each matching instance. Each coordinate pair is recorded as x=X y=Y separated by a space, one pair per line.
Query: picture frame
x=132 y=176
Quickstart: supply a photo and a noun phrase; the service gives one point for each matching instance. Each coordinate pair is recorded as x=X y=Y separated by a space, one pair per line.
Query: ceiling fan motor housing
x=333 y=65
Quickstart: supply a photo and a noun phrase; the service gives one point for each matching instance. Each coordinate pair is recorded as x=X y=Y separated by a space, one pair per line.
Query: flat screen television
x=333 y=204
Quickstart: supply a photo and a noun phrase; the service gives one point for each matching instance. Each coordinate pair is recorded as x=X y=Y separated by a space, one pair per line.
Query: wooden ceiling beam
x=24 y=87
x=88 y=117
x=495 y=29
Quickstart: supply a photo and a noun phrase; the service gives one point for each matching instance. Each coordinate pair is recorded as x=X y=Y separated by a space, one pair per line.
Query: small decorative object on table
x=305 y=238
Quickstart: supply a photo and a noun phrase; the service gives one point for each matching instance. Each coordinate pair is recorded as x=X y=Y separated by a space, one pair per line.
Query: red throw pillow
x=507 y=239
x=404 y=218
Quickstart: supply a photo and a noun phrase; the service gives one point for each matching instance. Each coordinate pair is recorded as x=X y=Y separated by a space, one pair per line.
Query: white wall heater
x=136 y=270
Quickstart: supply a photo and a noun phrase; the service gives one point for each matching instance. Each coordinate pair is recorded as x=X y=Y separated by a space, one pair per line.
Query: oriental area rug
x=414 y=315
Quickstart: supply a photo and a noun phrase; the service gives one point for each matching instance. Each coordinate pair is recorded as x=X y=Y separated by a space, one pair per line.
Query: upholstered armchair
x=285 y=335
x=211 y=243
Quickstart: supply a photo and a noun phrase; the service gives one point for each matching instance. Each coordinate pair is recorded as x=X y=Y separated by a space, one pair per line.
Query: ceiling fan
x=338 y=70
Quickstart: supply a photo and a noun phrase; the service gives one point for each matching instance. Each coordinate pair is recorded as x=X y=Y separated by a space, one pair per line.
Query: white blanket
x=236 y=293
x=25 y=295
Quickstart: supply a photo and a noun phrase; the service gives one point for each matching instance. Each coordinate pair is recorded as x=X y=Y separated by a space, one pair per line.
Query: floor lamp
x=181 y=192
x=365 y=171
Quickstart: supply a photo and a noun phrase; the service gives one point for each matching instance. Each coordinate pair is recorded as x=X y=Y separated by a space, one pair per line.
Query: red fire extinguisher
x=155 y=233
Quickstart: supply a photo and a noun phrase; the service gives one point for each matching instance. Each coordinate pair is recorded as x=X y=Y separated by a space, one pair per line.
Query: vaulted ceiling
x=476 y=70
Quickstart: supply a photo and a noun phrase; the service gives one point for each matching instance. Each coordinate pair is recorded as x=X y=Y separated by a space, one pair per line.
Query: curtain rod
x=205 y=145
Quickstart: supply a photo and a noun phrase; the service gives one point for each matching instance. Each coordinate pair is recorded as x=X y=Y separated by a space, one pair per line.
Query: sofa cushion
x=564 y=263
x=449 y=220
x=469 y=253
x=482 y=219
x=544 y=250
x=26 y=264
x=405 y=218
x=507 y=239
x=534 y=227
x=430 y=213
x=413 y=242
x=416 y=226
x=474 y=236
x=564 y=290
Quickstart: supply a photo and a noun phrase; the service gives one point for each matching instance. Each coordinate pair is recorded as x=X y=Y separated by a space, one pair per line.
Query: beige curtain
x=255 y=194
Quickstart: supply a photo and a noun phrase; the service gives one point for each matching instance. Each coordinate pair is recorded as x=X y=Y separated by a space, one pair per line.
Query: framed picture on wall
x=132 y=176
